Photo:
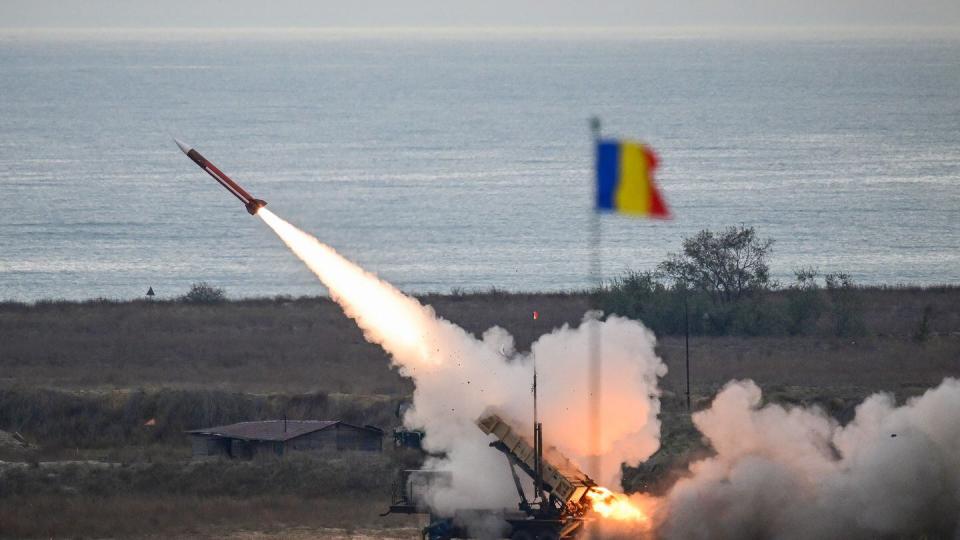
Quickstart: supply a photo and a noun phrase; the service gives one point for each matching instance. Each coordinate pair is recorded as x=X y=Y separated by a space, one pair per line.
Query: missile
x=252 y=204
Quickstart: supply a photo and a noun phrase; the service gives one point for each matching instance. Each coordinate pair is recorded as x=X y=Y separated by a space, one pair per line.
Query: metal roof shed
x=248 y=439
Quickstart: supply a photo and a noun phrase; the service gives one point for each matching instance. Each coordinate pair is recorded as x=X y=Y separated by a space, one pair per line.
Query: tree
x=727 y=265
x=204 y=293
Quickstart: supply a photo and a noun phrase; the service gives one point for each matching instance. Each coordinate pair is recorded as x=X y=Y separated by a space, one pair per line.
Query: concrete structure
x=246 y=440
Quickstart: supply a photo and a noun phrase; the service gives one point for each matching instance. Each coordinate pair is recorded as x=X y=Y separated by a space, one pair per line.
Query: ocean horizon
x=462 y=161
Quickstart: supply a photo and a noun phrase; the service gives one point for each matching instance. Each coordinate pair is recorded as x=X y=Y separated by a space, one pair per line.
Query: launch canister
x=251 y=203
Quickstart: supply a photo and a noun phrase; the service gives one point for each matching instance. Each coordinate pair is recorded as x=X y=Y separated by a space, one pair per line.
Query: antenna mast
x=537 y=434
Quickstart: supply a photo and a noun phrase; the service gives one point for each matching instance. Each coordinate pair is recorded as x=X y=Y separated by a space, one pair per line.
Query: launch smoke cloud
x=795 y=473
x=458 y=377
x=777 y=472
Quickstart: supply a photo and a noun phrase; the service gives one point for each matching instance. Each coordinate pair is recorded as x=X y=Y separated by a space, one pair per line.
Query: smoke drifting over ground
x=795 y=473
x=777 y=473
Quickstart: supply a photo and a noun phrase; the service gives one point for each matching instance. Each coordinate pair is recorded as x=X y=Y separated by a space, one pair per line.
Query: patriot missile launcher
x=560 y=487
x=558 y=509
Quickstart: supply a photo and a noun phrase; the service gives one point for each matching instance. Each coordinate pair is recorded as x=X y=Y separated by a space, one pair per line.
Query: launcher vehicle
x=558 y=508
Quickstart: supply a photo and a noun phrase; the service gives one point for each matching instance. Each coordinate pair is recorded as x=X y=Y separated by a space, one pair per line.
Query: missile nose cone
x=185 y=148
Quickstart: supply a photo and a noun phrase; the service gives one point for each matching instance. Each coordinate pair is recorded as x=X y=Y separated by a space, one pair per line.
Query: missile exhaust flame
x=616 y=506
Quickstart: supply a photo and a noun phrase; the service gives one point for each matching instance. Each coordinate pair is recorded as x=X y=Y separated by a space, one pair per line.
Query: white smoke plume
x=795 y=473
x=459 y=377
x=502 y=382
x=778 y=472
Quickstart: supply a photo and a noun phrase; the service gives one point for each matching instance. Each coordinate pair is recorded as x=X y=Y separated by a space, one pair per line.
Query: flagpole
x=537 y=431
x=596 y=275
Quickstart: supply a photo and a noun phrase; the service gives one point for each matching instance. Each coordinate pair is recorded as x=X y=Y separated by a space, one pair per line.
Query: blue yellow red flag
x=625 y=179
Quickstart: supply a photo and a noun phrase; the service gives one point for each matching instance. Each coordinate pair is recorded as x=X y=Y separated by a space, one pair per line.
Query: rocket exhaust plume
x=459 y=377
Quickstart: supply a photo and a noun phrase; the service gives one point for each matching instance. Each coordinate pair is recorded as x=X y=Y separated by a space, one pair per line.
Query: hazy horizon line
x=622 y=31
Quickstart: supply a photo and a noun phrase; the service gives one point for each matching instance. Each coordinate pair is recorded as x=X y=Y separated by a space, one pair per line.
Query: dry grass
x=342 y=490
x=62 y=421
x=263 y=346
x=260 y=358
x=303 y=533
x=255 y=346
x=184 y=516
x=830 y=364
x=308 y=346
x=307 y=476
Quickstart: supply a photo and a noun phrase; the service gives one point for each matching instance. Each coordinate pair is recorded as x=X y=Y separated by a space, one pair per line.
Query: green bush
x=721 y=282
x=758 y=315
x=846 y=305
x=922 y=333
x=204 y=293
x=794 y=310
x=644 y=297
x=804 y=303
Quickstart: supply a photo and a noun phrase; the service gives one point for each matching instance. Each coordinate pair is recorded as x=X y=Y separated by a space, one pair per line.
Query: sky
x=486 y=13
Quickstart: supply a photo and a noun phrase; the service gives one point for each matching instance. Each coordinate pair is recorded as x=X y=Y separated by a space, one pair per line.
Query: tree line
x=720 y=284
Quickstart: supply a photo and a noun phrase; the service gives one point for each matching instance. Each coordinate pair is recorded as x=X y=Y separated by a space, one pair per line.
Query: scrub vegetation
x=720 y=285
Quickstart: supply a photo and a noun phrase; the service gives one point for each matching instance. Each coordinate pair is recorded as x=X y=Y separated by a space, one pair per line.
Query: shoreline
x=455 y=293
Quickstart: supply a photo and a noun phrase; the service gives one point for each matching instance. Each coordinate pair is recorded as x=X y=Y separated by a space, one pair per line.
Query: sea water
x=464 y=162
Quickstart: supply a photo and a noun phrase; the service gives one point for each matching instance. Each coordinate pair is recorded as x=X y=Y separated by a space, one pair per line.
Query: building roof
x=274 y=430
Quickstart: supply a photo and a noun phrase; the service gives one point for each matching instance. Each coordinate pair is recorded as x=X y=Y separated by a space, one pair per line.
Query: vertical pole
x=535 y=419
x=595 y=368
x=538 y=481
x=686 y=321
x=534 y=392
x=535 y=416
x=537 y=440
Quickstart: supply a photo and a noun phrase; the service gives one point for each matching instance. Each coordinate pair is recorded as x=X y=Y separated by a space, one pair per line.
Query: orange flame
x=615 y=506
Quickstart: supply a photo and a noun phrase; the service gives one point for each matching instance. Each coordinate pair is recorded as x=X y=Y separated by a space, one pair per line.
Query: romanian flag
x=625 y=179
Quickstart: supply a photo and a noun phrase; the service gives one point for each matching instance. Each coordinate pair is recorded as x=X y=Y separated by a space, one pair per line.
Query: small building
x=246 y=440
